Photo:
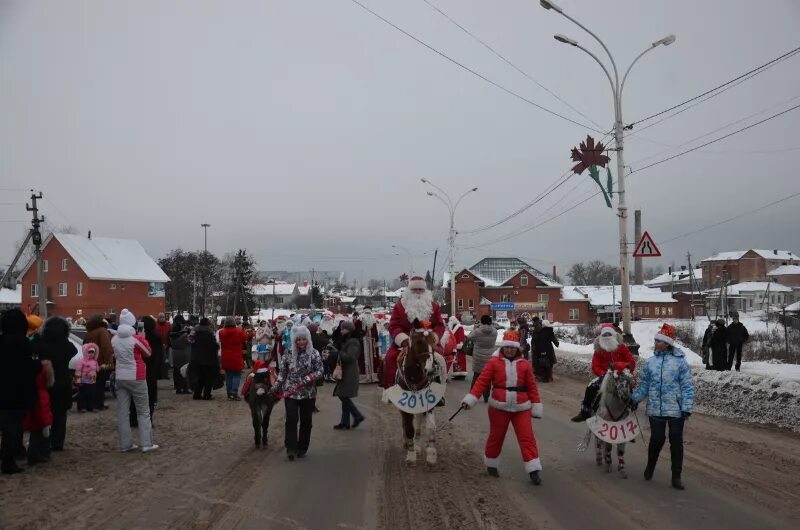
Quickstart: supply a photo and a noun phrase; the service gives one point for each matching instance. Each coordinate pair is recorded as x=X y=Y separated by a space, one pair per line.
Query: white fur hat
x=127 y=318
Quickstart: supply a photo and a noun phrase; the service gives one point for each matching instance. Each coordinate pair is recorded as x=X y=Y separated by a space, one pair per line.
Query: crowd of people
x=723 y=344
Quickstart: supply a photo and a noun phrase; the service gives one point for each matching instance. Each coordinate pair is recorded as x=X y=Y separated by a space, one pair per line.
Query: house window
x=505 y=298
x=574 y=314
x=471 y=304
x=544 y=298
x=751 y=303
x=62 y=289
x=112 y=286
x=465 y=276
x=64 y=264
x=523 y=280
x=658 y=311
x=664 y=311
x=34 y=290
x=278 y=299
x=460 y=303
x=639 y=310
x=79 y=289
x=669 y=310
x=44 y=265
x=79 y=312
x=647 y=310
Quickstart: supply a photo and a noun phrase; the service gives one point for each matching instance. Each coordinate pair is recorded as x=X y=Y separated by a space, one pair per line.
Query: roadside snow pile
x=742 y=396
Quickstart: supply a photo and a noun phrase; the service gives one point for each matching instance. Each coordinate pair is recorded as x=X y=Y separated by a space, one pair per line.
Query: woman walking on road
x=544 y=355
x=204 y=363
x=483 y=338
x=667 y=384
x=232 y=340
x=299 y=371
x=347 y=387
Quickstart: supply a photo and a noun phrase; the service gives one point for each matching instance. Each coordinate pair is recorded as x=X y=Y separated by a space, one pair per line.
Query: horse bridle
x=400 y=376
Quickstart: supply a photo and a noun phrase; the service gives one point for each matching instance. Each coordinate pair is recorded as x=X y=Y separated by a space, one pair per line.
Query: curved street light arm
x=462 y=197
x=622 y=86
x=428 y=182
x=608 y=75
x=446 y=203
x=613 y=63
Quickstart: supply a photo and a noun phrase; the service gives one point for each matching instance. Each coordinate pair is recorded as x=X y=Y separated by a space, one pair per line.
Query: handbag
x=219 y=381
x=467 y=347
x=337 y=371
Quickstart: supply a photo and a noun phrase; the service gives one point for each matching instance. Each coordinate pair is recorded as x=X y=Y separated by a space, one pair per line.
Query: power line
x=758 y=69
x=470 y=70
x=508 y=62
x=715 y=140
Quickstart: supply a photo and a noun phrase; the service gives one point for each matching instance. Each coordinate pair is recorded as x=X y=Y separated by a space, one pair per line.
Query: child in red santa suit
x=514 y=399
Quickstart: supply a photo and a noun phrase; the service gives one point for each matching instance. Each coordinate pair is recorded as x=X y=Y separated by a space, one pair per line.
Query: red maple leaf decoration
x=589 y=155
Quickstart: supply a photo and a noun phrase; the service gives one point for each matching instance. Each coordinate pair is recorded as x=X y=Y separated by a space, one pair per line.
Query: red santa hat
x=510 y=338
x=607 y=329
x=417 y=282
x=367 y=308
x=666 y=334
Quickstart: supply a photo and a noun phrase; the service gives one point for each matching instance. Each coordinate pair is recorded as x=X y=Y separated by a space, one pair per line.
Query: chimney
x=683 y=267
x=775 y=251
x=90 y=234
x=554 y=273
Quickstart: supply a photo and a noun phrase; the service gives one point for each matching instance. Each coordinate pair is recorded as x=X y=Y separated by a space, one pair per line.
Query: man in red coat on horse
x=416 y=303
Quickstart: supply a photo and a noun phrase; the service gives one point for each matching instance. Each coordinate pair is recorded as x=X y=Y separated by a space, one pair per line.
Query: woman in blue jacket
x=667 y=384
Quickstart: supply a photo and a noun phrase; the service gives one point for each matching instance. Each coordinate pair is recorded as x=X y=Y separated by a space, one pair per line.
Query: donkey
x=261 y=404
x=612 y=405
x=417 y=366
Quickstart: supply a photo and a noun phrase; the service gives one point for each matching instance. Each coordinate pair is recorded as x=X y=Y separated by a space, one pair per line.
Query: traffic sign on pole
x=646 y=247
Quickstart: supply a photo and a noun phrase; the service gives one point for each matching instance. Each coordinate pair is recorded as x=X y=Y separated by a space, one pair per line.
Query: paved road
x=208 y=475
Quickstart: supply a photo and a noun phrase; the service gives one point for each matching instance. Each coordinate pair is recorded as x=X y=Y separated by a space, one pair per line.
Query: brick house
x=788 y=275
x=744 y=266
x=86 y=276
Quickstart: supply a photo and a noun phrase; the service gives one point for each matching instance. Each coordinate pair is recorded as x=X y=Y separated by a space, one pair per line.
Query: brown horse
x=417 y=366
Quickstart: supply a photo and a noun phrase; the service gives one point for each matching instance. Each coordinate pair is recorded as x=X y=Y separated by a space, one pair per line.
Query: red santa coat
x=621 y=358
x=513 y=386
x=459 y=364
x=400 y=328
x=232 y=341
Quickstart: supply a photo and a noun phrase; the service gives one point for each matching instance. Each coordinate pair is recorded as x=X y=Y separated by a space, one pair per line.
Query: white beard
x=418 y=307
x=608 y=344
x=367 y=321
x=327 y=325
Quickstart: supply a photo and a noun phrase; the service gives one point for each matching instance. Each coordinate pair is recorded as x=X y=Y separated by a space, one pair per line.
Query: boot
x=676 y=453
x=581 y=416
x=492 y=471
x=649 y=469
x=652 y=458
x=535 y=478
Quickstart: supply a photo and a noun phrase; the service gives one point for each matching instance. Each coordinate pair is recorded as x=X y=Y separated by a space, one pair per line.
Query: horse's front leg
x=607 y=454
x=430 y=450
x=598 y=451
x=418 y=428
x=254 y=413
x=408 y=434
x=621 y=458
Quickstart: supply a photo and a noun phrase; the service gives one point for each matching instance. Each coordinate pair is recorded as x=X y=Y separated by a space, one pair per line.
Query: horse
x=612 y=405
x=417 y=366
x=261 y=405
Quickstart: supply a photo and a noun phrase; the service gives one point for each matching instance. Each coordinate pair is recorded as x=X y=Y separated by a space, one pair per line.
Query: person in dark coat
x=524 y=335
x=347 y=388
x=544 y=355
x=97 y=333
x=179 y=344
x=18 y=392
x=204 y=363
x=707 y=345
x=736 y=335
x=719 y=350
x=56 y=347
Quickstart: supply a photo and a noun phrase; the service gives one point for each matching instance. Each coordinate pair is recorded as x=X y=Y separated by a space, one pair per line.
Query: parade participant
x=97 y=333
x=544 y=355
x=452 y=342
x=610 y=353
x=416 y=303
x=514 y=399
x=369 y=359
x=287 y=339
x=385 y=338
x=667 y=384
x=347 y=387
x=204 y=362
x=56 y=347
x=327 y=324
x=299 y=371
x=231 y=339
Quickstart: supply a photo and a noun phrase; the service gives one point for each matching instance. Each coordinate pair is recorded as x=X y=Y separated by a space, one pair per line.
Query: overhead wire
x=508 y=61
x=472 y=71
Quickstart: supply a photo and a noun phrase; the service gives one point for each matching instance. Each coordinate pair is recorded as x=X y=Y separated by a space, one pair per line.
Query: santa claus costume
x=370 y=360
x=452 y=342
x=514 y=399
x=416 y=303
x=610 y=353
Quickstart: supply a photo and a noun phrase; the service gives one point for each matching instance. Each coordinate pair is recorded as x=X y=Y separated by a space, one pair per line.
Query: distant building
x=751 y=296
x=678 y=281
x=97 y=275
x=10 y=298
x=788 y=275
x=279 y=295
x=744 y=266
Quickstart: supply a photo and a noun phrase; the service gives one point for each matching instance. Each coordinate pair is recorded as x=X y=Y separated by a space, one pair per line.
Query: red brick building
x=788 y=275
x=86 y=276
x=744 y=266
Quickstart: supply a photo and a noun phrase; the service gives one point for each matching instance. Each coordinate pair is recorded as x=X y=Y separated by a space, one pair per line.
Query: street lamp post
x=451 y=239
x=616 y=90
x=205 y=252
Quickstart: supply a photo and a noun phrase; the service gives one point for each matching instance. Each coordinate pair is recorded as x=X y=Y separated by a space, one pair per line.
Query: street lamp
x=408 y=254
x=616 y=90
x=205 y=227
x=451 y=240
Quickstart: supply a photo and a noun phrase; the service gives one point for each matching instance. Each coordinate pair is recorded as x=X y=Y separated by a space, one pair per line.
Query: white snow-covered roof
x=395 y=294
x=793 y=307
x=303 y=289
x=675 y=276
x=751 y=287
x=106 y=258
x=347 y=299
x=266 y=289
x=603 y=295
x=766 y=254
x=784 y=270
x=11 y=296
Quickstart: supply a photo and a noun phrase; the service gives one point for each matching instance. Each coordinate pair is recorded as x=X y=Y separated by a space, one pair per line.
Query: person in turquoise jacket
x=666 y=382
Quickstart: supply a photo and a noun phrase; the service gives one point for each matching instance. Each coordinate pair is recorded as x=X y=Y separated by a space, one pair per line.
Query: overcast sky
x=299 y=129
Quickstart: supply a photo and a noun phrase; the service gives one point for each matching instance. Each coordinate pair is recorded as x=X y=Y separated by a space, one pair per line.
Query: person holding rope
x=515 y=398
x=299 y=371
x=667 y=384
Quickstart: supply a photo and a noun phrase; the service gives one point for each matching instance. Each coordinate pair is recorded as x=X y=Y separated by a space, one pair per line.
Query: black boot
x=581 y=416
x=492 y=471
x=676 y=453
x=535 y=478
x=653 y=451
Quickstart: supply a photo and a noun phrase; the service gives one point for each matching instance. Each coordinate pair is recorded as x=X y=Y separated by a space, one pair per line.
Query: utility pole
x=433 y=273
x=311 y=290
x=37 y=243
x=205 y=264
x=638 y=269
x=785 y=329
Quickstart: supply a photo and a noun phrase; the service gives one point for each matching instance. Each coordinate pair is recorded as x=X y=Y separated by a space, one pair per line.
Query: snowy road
x=207 y=475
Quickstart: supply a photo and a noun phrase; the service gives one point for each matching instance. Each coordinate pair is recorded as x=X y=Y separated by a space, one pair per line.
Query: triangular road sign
x=646 y=248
